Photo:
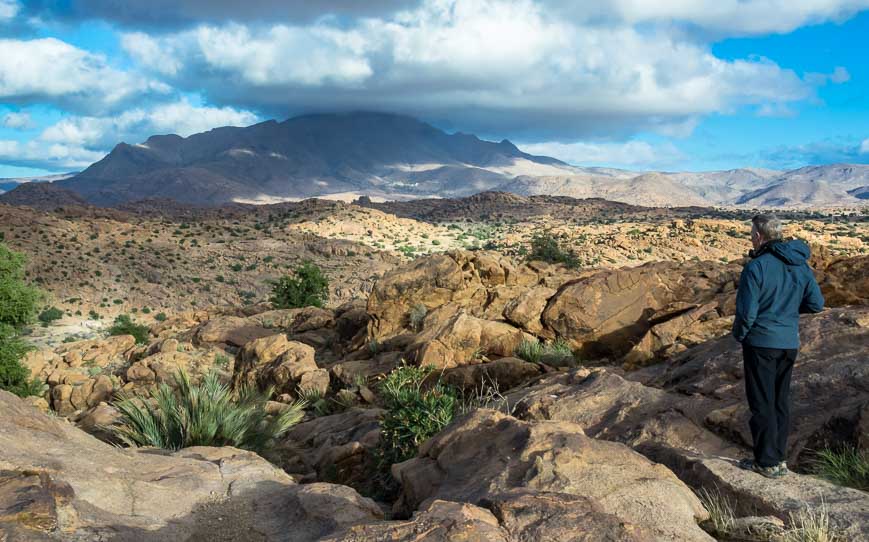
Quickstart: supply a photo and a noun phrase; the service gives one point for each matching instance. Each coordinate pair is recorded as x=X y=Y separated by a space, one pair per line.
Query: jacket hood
x=795 y=252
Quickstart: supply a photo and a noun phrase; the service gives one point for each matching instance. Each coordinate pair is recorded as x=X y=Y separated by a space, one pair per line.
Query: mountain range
x=397 y=157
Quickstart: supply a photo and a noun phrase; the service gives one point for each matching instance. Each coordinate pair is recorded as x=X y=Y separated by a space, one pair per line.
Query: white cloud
x=51 y=156
x=76 y=142
x=629 y=154
x=49 y=70
x=136 y=125
x=864 y=146
x=501 y=66
x=728 y=16
x=8 y=10
x=16 y=121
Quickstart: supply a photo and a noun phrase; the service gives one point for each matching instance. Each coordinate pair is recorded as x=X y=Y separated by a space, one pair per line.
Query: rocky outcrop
x=487 y=453
x=502 y=374
x=691 y=415
x=276 y=362
x=510 y=517
x=58 y=483
x=466 y=279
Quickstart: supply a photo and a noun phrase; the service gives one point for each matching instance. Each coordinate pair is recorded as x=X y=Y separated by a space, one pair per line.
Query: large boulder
x=604 y=314
x=59 y=483
x=338 y=448
x=487 y=453
x=501 y=375
x=464 y=339
x=230 y=330
x=276 y=362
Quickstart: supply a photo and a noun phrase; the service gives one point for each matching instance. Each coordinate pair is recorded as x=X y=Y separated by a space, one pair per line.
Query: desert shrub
x=160 y=317
x=124 y=325
x=50 y=315
x=414 y=412
x=18 y=300
x=556 y=353
x=202 y=415
x=306 y=287
x=845 y=467
x=14 y=377
x=545 y=247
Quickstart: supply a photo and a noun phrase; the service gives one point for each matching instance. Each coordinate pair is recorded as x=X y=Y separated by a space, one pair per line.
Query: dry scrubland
x=167 y=260
x=442 y=392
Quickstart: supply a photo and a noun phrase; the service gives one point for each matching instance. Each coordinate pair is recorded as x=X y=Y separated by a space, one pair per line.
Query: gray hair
x=769 y=226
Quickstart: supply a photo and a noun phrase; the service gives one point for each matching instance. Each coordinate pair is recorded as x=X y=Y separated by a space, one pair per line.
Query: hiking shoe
x=767 y=472
x=783 y=467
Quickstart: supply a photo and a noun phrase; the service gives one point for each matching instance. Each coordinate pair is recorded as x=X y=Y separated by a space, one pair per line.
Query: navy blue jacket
x=775 y=287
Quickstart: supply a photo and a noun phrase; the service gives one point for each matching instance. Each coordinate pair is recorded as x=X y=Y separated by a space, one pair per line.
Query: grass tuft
x=846 y=467
x=811 y=525
x=556 y=353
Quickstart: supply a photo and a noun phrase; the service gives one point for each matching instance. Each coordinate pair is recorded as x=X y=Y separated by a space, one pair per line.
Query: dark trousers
x=768 y=387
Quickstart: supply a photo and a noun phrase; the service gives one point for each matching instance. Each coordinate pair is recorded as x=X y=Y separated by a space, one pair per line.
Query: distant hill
x=835 y=185
x=305 y=156
x=7 y=184
x=41 y=195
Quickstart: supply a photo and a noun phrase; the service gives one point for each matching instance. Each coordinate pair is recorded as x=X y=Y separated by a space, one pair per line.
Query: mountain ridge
x=390 y=156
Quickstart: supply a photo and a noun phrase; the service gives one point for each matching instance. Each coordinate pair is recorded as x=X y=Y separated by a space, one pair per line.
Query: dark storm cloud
x=172 y=14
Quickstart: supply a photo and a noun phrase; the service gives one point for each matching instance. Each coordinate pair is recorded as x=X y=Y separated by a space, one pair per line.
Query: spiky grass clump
x=811 y=525
x=846 y=467
x=202 y=415
x=721 y=514
x=556 y=353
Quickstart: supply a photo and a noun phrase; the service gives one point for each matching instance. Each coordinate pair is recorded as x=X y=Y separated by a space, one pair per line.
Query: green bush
x=413 y=413
x=124 y=325
x=50 y=315
x=545 y=247
x=14 y=377
x=846 y=467
x=202 y=415
x=18 y=300
x=306 y=287
x=160 y=317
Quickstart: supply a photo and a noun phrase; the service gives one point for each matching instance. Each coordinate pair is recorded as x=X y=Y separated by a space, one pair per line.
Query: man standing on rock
x=775 y=287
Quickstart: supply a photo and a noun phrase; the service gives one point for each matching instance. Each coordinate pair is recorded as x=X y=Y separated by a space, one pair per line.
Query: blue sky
x=670 y=85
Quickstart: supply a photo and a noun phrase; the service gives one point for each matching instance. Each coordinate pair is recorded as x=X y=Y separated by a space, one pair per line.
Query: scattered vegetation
x=845 y=467
x=124 y=325
x=202 y=415
x=547 y=248
x=308 y=286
